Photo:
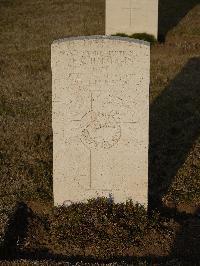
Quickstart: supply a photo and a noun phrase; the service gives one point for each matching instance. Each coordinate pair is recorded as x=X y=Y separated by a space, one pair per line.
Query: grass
x=119 y=231
x=106 y=230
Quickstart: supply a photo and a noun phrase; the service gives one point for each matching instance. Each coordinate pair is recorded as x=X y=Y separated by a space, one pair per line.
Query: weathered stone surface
x=132 y=16
x=100 y=119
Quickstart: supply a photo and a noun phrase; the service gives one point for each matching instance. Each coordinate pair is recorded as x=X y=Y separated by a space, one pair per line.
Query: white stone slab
x=132 y=16
x=100 y=119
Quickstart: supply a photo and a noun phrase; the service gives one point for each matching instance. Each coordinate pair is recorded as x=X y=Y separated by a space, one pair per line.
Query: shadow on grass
x=171 y=12
x=13 y=249
x=45 y=255
x=187 y=243
x=174 y=127
x=15 y=233
x=17 y=229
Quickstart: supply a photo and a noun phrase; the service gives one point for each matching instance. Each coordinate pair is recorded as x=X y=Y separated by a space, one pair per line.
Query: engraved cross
x=88 y=147
x=130 y=9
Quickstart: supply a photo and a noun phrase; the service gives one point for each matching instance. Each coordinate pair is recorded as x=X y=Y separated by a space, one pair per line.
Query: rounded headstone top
x=101 y=37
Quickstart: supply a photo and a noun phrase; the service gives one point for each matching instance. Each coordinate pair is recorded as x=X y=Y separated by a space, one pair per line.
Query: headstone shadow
x=170 y=13
x=174 y=127
x=15 y=233
x=187 y=242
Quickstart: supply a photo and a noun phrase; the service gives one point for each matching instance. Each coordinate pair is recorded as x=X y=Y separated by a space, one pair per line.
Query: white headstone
x=100 y=119
x=132 y=16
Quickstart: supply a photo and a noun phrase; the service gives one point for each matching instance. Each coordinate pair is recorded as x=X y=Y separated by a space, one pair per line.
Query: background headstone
x=132 y=16
x=100 y=118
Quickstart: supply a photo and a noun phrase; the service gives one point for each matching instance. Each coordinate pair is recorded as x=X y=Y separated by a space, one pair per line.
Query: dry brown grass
x=27 y=31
